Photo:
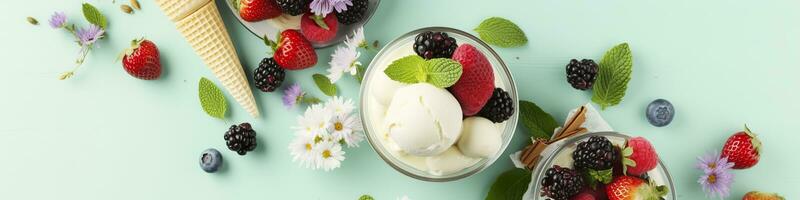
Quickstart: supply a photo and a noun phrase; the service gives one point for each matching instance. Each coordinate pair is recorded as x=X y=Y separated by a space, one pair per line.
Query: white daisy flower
x=358 y=39
x=343 y=60
x=329 y=155
x=345 y=128
x=315 y=121
x=340 y=105
x=302 y=149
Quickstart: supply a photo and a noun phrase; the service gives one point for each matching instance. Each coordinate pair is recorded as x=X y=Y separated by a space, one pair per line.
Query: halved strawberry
x=476 y=84
x=633 y=188
x=292 y=51
x=257 y=10
x=319 y=29
x=142 y=60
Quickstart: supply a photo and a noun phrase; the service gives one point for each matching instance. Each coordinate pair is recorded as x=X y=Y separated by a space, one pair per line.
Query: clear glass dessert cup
x=503 y=79
x=560 y=153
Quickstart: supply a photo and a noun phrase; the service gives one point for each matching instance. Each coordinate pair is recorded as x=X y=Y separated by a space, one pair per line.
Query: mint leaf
x=212 y=99
x=613 y=76
x=94 y=16
x=443 y=72
x=366 y=197
x=512 y=184
x=324 y=84
x=406 y=69
x=540 y=123
x=501 y=32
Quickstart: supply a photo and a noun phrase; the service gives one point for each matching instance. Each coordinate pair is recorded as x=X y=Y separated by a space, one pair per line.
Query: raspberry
x=241 y=138
x=644 y=155
x=581 y=75
x=268 y=75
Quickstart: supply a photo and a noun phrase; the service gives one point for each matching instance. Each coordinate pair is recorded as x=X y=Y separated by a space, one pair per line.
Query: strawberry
x=639 y=156
x=257 y=10
x=141 y=60
x=756 y=195
x=742 y=149
x=292 y=51
x=476 y=84
x=319 y=29
x=634 y=188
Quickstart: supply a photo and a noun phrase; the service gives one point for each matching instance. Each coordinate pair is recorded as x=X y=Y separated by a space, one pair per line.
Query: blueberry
x=210 y=160
x=660 y=112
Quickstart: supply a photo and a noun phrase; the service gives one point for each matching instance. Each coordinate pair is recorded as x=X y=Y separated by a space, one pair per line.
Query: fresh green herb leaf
x=603 y=176
x=540 y=124
x=324 y=84
x=512 y=184
x=613 y=76
x=406 y=69
x=360 y=70
x=212 y=99
x=442 y=72
x=366 y=197
x=94 y=16
x=501 y=32
x=311 y=100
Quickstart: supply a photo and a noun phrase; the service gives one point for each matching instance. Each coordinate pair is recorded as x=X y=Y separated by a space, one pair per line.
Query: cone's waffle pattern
x=179 y=9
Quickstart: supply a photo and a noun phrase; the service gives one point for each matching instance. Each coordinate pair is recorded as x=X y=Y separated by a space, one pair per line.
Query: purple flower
x=89 y=35
x=325 y=7
x=717 y=178
x=58 y=20
x=292 y=96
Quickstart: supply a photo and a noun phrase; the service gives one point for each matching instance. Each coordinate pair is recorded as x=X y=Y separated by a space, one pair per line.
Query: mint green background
x=106 y=135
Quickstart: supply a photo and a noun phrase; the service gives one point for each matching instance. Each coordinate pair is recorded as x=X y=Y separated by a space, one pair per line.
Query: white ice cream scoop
x=423 y=120
x=479 y=138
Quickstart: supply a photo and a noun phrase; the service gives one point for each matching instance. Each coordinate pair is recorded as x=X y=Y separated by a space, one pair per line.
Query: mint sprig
x=324 y=84
x=540 y=124
x=212 y=99
x=440 y=72
x=501 y=32
x=613 y=75
x=94 y=16
x=366 y=197
x=512 y=184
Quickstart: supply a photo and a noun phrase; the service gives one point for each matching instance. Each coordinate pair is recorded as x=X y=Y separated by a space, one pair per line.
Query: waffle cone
x=200 y=23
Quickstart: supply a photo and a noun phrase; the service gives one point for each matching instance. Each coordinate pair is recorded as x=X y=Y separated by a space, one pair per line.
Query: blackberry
x=241 y=138
x=268 y=75
x=431 y=45
x=293 y=7
x=597 y=153
x=561 y=183
x=581 y=75
x=499 y=108
x=354 y=13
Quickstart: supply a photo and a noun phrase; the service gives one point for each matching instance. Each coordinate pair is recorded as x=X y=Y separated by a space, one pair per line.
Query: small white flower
x=329 y=155
x=343 y=60
x=302 y=149
x=340 y=105
x=345 y=127
x=358 y=39
x=315 y=121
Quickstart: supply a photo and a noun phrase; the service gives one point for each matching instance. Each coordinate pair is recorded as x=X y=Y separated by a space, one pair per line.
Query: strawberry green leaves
x=324 y=84
x=94 y=16
x=212 y=99
x=540 y=124
x=440 y=72
x=613 y=75
x=512 y=184
x=626 y=161
x=501 y=32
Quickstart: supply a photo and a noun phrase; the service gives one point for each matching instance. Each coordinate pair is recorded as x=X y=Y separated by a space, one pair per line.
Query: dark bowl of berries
x=601 y=165
x=448 y=121
x=322 y=22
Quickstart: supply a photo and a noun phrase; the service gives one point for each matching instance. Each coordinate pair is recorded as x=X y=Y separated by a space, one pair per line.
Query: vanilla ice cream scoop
x=449 y=161
x=479 y=138
x=423 y=120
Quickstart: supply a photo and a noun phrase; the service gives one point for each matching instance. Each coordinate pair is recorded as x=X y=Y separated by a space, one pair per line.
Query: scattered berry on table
x=293 y=7
x=476 y=84
x=639 y=156
x=257 y=10
x=561 y=183
x=743 y=149
x=499 y=108
x=757 y=195
x=581 y=74
x=142 y=60
x=268 y=76
x=431 y=45
x=314 y=32
x=210 y=160
x=660 y=112
x=241 y=138
x=354 y=13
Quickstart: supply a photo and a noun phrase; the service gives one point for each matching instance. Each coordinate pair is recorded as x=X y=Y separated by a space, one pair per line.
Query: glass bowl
x=555 y=152
x=262 y=28
x=403 y=46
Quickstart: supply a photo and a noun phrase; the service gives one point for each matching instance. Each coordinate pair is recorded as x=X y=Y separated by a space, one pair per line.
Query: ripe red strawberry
x=318 y=29
x=742 y=149
x=639 y=156
x=257 y=10
x=293 y=51
x=756 y=195
x=141 y=60
x=633 y=188
x=476 y=84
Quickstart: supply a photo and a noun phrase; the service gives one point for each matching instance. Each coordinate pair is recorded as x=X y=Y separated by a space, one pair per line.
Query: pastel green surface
x=106 y=135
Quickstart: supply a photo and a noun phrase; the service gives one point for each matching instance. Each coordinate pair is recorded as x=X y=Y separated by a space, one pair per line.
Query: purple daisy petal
x=717 y=178
x=325 y=7
x=291 y=94
x=58 y=20
x=87 y=36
